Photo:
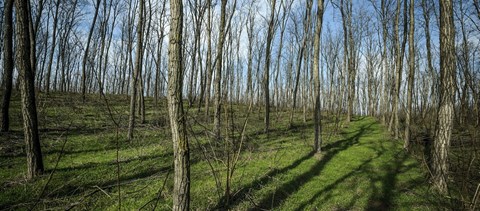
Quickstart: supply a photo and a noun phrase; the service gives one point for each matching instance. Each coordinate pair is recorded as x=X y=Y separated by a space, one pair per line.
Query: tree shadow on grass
x=112 y=162
x=274 y=199
x=328 y=188
x=49 y=135
x=280 y=132
x=382 y=197
x=258 y=140
x=87 y=190
x=125 y=176
x=74 y=182
x=245 y=191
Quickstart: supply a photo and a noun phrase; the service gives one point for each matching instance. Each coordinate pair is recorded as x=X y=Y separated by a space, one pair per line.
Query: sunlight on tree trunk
x=447 y=93
x=181 y=186
x=316 y=70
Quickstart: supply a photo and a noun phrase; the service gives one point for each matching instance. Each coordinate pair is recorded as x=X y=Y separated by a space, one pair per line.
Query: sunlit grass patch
x=360 y=168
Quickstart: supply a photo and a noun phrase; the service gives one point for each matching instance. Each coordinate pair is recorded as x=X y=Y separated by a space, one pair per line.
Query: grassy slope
x=359 y=169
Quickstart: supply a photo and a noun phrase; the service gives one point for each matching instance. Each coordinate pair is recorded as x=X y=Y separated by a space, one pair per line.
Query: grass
x=360 y=168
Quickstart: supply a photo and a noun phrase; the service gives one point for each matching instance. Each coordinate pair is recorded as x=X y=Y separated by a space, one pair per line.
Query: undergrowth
x=360 y=167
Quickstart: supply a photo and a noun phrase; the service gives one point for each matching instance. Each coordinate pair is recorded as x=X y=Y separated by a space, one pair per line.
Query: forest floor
x=360 y=168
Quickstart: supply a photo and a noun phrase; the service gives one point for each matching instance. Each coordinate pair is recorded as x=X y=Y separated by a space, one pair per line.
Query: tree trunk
x=141 y=98
x=181 y=186
x=266 y=73
x=447 y=94
x=464 y=64
x=400 y=51
x=306 y=22
x=346 y=14
x=250 y=33
x=158 y=68
x=283 y=26
x=158 y=63
x=137 y=71
x=411 y=74
x=384 y=63
x=7 y=64
x=87 y=49
x=26 y=75
x=54 y=39
x=197 y=16
x=208 y=67
x=218 y=71
x=352 y=72
x=316 y=70
x=426 y=15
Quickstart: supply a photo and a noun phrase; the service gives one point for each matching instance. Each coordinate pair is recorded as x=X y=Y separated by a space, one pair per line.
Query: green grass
x=360 y=168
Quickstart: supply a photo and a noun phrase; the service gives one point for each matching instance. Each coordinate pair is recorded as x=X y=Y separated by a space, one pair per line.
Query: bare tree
x=138 y=68
x=7 y=64
x=87 y=49
x=282 y=22
x=27 y=73
x=399 y=52
x=197 y=9
x=52 y=51
x=306 y=25
x=444 y=126
x=199 y=19
x=477 y=7
x=218 y=70
x=383 y=13
x=208 y=63
x=250 y=34
x=411 y=74
x=316 y=70
x=348 y=53
x=158 y=61
x=426 y=8
x=181 y=187
x=266 y=73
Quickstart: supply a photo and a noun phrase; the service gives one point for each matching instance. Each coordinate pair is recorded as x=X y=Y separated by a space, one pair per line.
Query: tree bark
x=181 y=187
x=316 y=70
x=411 y=74
x=384 y=62
x=218 y=71
x=250 y=34
x=400 y=51
x=352 y=72
x=208 y=63
x=447 y=94
x=138 y=69
x=266 y=73
x=7 y=64
x=26 y=75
